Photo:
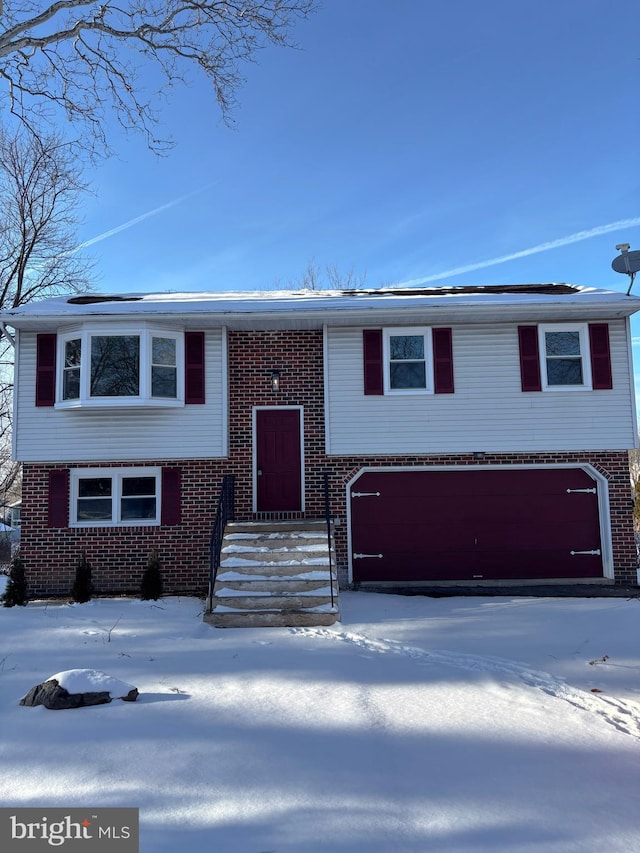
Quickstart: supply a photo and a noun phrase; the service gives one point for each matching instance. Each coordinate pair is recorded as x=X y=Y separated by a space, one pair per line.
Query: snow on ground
x=415 y=724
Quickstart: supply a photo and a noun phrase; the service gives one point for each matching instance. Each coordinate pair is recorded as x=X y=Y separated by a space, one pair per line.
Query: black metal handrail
x=327 y=515
x=225 y=512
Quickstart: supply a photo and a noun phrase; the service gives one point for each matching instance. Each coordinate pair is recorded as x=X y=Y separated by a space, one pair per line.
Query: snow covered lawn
x=416 y=724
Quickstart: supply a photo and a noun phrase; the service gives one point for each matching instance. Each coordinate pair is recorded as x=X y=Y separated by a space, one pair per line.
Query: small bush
x=151 y=585
x=82 y=586
x=16 y=590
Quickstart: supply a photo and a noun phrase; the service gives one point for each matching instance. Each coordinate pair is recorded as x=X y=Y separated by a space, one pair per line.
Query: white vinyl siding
x=109 y=435
x=487 y=413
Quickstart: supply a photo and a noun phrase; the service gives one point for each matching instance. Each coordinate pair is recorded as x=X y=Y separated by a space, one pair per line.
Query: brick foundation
x=119 y=555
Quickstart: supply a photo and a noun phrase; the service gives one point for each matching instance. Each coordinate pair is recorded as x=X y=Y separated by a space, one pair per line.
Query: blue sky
x=404 y=140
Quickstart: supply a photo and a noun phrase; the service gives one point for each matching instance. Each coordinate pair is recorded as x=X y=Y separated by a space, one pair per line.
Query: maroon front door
x=278 y=460
x=484 y=524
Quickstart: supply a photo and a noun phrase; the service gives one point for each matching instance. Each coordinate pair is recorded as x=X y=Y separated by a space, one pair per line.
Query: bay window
x=120 y=367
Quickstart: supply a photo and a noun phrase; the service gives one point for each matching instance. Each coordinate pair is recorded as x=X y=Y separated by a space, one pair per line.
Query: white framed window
x=115 y=497
x=120 y=367
x=407 y=362
x=564 y=356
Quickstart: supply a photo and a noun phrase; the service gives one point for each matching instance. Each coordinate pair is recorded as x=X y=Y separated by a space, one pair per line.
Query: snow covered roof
x=311 y=309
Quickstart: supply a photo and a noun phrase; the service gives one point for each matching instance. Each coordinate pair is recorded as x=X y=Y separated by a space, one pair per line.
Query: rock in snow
x=75 y=688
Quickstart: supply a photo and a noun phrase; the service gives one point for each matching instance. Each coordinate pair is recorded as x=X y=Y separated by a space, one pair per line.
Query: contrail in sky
x=131 y=222
x=534 y=250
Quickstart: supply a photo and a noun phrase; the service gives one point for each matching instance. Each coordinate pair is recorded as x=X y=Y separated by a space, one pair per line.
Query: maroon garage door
x=481 y=524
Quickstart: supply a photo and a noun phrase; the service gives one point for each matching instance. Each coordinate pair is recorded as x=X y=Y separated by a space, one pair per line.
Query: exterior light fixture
x=275 y=381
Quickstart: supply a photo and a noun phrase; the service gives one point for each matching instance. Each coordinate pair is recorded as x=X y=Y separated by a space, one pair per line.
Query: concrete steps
x=275 y=573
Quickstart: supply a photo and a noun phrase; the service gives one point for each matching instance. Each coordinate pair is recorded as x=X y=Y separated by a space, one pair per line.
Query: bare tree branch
x=83 y=57
x=315 y=277
x=40 y=187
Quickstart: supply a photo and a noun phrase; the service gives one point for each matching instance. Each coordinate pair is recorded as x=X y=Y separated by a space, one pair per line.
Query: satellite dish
x=627 y=263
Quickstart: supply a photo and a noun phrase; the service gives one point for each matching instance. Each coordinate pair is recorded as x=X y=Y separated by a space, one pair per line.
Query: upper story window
x=406 y=364
x=121 y=367
x=407 y=360
x=565 y=357
x=564 y=353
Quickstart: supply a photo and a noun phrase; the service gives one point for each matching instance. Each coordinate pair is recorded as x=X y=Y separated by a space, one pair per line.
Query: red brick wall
x=119 y=555
x=298 y=357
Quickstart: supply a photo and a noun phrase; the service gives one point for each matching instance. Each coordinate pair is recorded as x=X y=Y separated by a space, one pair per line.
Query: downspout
x=10 y=338
x=5 y=334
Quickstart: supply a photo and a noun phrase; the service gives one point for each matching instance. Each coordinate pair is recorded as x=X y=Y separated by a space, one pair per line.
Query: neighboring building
x=10 y=527
x=14 y=514
x=471 y=434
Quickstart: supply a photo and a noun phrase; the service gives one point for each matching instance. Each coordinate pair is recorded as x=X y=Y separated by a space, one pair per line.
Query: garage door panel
x=488 y=523
x=412 y=538
x=538 y=533
x=456 y=566
x=532 y=516
x=524 y=564
x=407 y=566
x=416 y=510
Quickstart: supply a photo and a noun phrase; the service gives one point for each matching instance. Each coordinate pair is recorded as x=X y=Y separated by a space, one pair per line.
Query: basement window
x=104 y=497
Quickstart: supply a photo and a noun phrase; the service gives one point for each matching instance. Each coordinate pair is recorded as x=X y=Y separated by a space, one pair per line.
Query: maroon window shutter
x=46 y=370
x=194 y=367
x=58 y=504
x=600 y=356
x=443 y=361
x=372 y=353
x=171 y=496
x=529 y=358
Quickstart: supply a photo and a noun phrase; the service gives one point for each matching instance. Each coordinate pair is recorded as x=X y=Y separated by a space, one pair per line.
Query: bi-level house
x=466 y=434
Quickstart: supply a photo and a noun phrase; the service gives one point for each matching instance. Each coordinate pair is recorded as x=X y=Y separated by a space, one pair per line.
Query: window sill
x=118 y=403
x=407 y=392
x=113 y=525
x=554 y=389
